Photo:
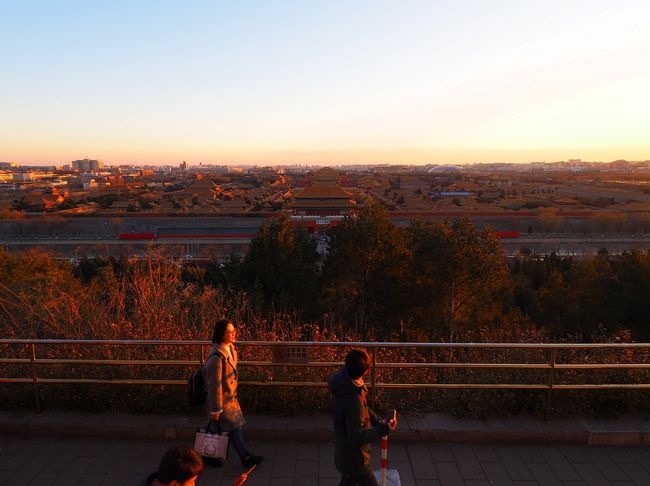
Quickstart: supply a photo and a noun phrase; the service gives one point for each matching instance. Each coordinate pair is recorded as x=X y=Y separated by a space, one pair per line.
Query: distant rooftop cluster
x=88 y=186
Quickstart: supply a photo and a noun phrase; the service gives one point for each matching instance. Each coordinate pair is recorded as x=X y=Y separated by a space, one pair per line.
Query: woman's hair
x=357 y=362
x=179 y=463
x=220 y=330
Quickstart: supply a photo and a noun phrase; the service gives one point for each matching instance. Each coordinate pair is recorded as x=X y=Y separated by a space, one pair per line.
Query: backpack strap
x=216 y=353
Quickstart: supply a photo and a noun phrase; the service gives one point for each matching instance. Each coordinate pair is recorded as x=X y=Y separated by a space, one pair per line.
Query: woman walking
x=220 y=375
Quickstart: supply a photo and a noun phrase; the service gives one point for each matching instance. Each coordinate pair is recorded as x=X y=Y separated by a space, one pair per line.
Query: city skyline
x=335 y=83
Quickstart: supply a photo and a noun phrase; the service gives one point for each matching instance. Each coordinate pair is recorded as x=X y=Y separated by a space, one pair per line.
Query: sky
x=324 y=82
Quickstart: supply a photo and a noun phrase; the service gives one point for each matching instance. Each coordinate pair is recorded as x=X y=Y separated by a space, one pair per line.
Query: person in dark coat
x=180 y=466
x=355 y=424
x=220 y=376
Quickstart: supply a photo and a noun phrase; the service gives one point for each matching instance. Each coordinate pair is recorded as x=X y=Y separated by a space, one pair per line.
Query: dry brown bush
x=148 y=300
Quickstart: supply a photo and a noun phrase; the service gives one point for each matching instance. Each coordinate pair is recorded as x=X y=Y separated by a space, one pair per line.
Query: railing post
x=373 y=375
x=551 y=381
x=35 y=379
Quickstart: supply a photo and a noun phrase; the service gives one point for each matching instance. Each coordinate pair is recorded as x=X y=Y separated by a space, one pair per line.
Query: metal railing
x=550 y=364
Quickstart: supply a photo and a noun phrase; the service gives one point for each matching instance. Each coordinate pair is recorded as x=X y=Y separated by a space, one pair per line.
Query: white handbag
x=211 y=445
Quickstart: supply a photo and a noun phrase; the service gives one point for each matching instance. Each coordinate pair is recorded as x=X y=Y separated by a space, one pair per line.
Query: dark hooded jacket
x=355 y=425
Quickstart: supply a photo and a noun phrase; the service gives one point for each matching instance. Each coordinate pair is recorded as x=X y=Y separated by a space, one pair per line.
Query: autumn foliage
x=426 y=282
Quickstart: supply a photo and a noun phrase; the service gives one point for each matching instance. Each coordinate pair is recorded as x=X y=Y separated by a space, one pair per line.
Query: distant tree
x=67 y=204
x=633 y=270
x=461 y=279
x=174 y=187
x=557 y=305
x=105 y=200
x=549 y=219
x=598 y=294
x=193 y=274
x=20 y=204
x=281 y=267
x=88 y=268
x=35 y=291
x=11 y=214
x=144 y=203
x=366 y=271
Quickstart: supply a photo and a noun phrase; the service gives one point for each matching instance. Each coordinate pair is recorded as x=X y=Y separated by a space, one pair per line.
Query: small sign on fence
x=290 y=354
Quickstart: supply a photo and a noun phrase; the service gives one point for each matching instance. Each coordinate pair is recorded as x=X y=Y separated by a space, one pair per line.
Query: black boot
x=249 y=460
x=212 y=461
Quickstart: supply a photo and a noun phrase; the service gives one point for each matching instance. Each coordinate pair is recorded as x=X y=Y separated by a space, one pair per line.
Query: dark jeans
x=368 y=479
x=237 y=441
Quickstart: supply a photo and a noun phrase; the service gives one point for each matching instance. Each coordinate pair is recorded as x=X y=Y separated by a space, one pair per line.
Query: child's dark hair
x=220 y=330
x=357 y=362
x=179 y=463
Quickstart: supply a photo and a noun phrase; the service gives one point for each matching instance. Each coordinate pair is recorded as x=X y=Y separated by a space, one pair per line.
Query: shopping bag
x=211 y=445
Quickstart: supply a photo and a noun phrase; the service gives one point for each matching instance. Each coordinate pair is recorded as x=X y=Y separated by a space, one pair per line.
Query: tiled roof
x=323 y=192
x=331 y=203
x=326 y=174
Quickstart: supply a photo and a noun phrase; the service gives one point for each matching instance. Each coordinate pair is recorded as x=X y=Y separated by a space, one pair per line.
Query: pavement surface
x=103 y=449
x=420 y=428
x=58 y=461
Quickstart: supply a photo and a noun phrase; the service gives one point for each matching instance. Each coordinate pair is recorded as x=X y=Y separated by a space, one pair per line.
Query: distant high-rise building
x=183 y=166
x=23 y=176
x=87 y=165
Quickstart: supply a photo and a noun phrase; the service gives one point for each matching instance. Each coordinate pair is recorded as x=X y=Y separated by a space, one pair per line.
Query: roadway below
x=534 y=244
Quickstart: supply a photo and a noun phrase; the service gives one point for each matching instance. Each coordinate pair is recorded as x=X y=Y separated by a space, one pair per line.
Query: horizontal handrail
x=325 y=364
x=547 y=362
x=366 y=344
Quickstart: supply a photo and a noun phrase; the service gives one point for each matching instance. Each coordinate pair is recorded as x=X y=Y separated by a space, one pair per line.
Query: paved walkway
x=95 y=461
x=70 y=448
x=413 y=428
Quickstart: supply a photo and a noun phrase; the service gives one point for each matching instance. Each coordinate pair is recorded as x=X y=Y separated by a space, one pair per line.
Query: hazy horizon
x=309 y=161
x=325 y=83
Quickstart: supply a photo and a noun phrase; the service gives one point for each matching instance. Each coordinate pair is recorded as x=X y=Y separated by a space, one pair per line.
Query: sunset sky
x=324 y=81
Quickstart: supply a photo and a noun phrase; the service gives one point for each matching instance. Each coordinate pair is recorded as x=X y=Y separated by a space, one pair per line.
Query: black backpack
x=196 y=391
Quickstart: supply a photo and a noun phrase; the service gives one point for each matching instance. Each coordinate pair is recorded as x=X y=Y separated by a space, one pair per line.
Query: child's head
x=180 y=465
x=357 y=363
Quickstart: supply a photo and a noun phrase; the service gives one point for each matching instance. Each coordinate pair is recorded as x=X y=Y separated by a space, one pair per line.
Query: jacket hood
x=340 y=384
